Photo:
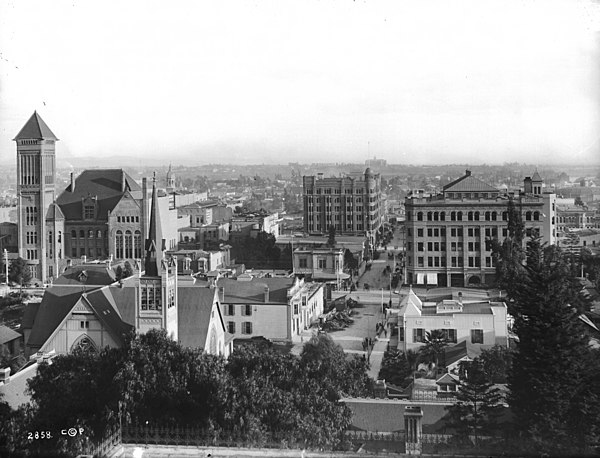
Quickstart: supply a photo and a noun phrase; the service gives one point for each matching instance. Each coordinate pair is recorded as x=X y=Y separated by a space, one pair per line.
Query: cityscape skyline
x=288 y=82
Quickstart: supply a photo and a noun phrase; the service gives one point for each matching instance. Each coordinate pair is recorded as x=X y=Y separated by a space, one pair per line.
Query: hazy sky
x=310 y=81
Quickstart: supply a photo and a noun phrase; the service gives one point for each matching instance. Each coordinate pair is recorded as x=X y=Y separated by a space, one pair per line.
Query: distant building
x=351 y=204
x=321 y=264
x=275 y=308
x=377 y=163
x=449 y=234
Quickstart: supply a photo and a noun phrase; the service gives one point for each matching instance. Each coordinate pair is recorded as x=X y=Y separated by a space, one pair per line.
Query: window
x=429 y=246
x=247 y=310
x=420 y=246
x=84 y=324
x=246 y=327
x=419 y=232
x=477 y=336
x=230 y=309
x=88 y=212
x=418 y=335
x=231 y=327
x=450 y=335
x=322 y=263
x=429 y=232
x=302 y=263
x=430 y=261
x=420 y=261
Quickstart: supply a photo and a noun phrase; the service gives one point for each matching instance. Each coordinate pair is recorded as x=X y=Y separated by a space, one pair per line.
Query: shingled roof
x=107 y=185
x=253 y=291
x=468 y=183
x=87 y=275
x=35 y=129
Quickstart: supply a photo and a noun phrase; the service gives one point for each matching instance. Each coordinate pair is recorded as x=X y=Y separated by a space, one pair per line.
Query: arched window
x=91 y=234
x=536 y=216
x=436 y=216
x=528 y=216
x=82 y=234
x=137 y=244
x=504 y=216
x=99 y=234
x=452 y=216
x=442 y=216
x=420 y=216
x=458 y=216
x=73 y=234
x=429 y=216
x=488 y=216
x=119 y=244
x=494 y=216
x=84 y=344
x=128 y=244
x=476 y=216
x=470 y=216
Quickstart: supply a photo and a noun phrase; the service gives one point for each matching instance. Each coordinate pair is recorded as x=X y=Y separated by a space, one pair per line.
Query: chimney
x=72 y=183
x=468 y=173
x=4 y=375
x=266 y=294
x=460 y=297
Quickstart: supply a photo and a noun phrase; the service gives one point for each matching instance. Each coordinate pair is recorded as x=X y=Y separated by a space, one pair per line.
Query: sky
x=250 y=82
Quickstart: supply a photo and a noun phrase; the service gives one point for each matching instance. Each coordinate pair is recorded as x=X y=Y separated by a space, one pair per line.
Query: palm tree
x=435 y=341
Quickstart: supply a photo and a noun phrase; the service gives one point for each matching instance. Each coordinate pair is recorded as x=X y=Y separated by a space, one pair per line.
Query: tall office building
x=449 y=234
x=40 y=220
x=352 y=204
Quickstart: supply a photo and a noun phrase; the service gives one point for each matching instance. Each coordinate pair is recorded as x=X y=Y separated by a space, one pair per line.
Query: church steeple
x=155 y=244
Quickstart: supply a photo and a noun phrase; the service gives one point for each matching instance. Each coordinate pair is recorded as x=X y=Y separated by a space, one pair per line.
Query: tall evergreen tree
x=549 y=366
x=478 y=404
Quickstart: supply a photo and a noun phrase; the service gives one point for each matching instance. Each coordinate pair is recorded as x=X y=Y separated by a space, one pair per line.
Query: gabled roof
x=468 y=183
x=29 y=315
x=253 y=291
x=56 y=304
x=195 y=304
x=7 y=334
x=447 y=378
x=54 y=213
x=461 y=350
x=106 y=185
x=105 y=308
x=536 y=177
x=35 y=129
x=410 y=304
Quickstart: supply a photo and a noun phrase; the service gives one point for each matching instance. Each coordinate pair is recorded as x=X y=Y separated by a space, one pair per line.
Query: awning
x=420 y=279
x=328 y=276
x=432 y=279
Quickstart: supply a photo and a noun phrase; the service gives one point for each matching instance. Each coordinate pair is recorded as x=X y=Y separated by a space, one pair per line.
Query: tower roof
x=536 y=177
x=155 y=244
x=35 y=128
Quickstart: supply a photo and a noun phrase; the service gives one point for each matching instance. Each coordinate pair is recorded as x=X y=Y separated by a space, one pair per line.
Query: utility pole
x=6 y=264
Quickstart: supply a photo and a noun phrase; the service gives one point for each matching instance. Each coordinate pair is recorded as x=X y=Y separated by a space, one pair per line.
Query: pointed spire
x=155 y=244
x=35 y=129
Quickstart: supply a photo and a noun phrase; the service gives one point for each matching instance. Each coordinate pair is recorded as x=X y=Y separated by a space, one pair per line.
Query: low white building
x=476 y=321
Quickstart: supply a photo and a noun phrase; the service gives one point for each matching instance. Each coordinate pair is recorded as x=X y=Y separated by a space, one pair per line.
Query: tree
x=349 y=260
x=478 y=403
x=19 y=272
x=331 y=236
x=496 y=363
x=395 y=368
x=549 y=365
x=127 y=270
x=119 y=273
x=435 y=342
x=508 y=255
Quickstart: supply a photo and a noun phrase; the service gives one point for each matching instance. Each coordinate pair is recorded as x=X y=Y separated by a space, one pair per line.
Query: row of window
x=128 y=219
x=470 y=216
x=245 y=310
x=89 y=233
x=454 y=246
x=455 y=261
x=246 y=327
x=419 y=335
x=336 y=200
x=338 y=227
x=31 y=216
x=471 y=195
x=333 y=191
x=31 y=237
x=31 y=254
x=128 y=245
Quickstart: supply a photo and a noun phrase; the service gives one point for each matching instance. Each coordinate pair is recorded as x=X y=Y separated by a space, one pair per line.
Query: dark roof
x=155 y=244
x=104 y=184
x=461 y=350
x=54 y=213
x=36 y=129
x=469 y=183
x=7 y=334
x=124 y=297
x=253 y=291
x=536 y=177
x=29 y=315
x=105 y=308
x=194 y=313
x=56 y=304
x=87 y=275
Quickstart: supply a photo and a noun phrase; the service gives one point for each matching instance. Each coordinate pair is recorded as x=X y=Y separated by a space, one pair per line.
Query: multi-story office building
x=351 y=204
x=449 y=234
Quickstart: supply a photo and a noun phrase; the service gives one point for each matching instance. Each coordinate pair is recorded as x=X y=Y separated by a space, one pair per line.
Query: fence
x=111 y=439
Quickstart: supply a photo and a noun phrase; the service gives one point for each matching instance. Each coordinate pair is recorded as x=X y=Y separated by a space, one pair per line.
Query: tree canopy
x=19 y=272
